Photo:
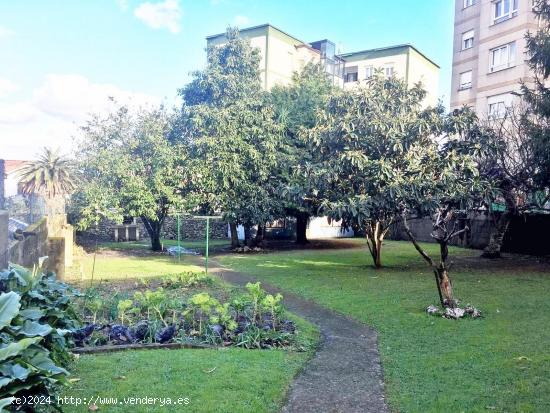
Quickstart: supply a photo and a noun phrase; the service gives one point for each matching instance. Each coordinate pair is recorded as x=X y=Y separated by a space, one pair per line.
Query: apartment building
x=283 y=54
x=403 y=61
x=489 y=53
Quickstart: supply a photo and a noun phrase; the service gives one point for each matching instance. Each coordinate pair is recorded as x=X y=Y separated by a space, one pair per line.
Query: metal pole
x=179 y=246
x=207 y=236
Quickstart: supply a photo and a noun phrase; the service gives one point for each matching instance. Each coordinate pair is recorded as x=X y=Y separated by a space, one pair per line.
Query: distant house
x=22 y=207
x=11 y=180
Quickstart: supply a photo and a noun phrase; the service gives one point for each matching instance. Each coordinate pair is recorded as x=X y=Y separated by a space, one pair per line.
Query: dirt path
x=345 y=374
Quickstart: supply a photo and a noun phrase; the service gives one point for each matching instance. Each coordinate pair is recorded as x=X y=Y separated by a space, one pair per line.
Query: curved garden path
x=345 y=374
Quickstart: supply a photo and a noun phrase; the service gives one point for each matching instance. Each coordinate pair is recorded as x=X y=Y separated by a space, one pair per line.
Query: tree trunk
x=375 y=236
x=260 y=236
x=247 y=235
x=153 y=229
x=301 y=228
x=445 y=287
x=234 y=235
x=492 y=250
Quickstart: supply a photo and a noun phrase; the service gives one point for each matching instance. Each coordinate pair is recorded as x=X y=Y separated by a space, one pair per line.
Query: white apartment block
x=489 y=59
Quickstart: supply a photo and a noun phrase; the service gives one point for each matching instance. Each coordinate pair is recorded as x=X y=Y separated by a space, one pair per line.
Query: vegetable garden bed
x=171 y=311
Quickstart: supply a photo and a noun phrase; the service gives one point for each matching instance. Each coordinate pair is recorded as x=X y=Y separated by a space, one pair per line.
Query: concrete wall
x=26 y=252
x=4 y=247
x=50 y=237
x=421 y=70
x=526 y=234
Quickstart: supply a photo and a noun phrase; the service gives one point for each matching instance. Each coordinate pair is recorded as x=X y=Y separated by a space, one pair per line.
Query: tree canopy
x=130 y=168
x=296 y=106
x=233 y=136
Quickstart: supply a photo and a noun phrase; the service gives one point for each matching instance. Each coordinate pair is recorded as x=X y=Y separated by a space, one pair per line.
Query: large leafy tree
x=366 y=139
x=443 y=181
x=130 y=168
x=233 y=137
x=296 y=106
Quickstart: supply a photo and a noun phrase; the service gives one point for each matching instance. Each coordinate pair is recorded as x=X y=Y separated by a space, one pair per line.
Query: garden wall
x=190 y=229
x=526 y=234
x=51 y=237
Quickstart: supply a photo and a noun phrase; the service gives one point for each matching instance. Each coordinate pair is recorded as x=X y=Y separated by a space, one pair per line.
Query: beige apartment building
x=283 y=54
x=403 y=61
x=489 y=53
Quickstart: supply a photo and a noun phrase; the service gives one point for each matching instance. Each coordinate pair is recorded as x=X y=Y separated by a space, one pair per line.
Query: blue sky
x=60 y=59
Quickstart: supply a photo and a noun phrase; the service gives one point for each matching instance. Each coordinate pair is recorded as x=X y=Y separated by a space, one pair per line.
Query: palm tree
x=51 y=176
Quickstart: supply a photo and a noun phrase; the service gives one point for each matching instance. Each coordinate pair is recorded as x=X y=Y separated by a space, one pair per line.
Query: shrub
x=36 y=323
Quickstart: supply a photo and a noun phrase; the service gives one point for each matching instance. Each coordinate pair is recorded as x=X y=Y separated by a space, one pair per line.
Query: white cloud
x=5 y=32
x=74 y=97
x=241 y=20
x=55 y=111
x=166 y=15
x=7 y=87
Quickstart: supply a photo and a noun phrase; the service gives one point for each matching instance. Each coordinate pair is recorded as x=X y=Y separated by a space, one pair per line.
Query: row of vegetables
x=39 y=325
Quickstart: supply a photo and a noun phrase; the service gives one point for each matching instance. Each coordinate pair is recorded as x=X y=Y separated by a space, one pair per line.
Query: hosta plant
x=36 y=322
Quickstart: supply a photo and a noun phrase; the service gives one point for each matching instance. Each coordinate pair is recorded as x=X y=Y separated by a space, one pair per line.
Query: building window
x=503 y=57
x=388 y=70
x=468 y=3
x=465 y=80
x=504 y=10
x=350 y=74
x=369 y=72
x=468 y=40
x=499 y=105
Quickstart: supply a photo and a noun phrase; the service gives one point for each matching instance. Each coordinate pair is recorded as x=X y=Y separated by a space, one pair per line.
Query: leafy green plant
x=36 y=320
x=152 y=301
x=186 y=280
x=123 y=306
x=200 y=305
x=256 y=296
x=94 y=306
x=273 y=305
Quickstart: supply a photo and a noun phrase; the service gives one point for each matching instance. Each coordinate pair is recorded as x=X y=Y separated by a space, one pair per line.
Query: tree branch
x=415 y=243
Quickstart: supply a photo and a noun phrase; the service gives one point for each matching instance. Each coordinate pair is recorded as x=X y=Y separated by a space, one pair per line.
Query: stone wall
x=50 y=237
x=27 y=251
x=191 y=228
x=4 y=243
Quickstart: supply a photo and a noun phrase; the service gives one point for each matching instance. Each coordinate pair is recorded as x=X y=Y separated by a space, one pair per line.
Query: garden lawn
x=121 y=267
x=498 y=363
x=225 y=380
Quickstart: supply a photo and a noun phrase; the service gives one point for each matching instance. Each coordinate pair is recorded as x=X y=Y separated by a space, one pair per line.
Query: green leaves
x=31 y=349
x=32 y=329
x=16 y=348
x=9 y=307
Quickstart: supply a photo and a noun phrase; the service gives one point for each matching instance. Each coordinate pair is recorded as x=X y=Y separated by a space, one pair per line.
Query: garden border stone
x=152 y=346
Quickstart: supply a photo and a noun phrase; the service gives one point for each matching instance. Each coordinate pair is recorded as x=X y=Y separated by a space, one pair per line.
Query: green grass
x=498 y=363
x=128 y=267
x=197 y=245
x=224 y=380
